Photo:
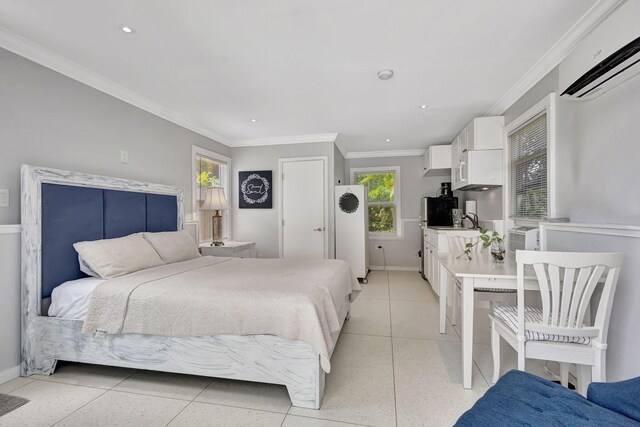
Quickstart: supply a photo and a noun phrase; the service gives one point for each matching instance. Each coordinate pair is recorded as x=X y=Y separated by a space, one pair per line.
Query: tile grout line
x=405 y=338
x=393 y=364
x=331 y=420
x=73 y=412
x=101 y=394
x=190 y=402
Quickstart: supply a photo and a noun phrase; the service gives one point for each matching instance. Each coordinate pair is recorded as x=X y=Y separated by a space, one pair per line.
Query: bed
x=60 y=208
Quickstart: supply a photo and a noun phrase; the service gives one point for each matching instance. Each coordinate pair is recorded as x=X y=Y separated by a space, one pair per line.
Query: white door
x=304 y=208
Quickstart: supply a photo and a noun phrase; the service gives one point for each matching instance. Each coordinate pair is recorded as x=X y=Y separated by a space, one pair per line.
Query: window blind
x=528 y=145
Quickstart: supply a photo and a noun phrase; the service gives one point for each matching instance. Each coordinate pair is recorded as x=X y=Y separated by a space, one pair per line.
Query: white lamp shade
x=214 y=200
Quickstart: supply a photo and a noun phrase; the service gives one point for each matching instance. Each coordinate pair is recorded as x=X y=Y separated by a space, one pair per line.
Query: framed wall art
x=256 y=190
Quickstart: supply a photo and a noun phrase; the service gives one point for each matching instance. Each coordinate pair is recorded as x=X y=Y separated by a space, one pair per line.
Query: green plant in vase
x=493 y=240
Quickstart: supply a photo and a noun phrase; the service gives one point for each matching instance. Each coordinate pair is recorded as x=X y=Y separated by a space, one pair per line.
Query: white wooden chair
x=557 y=331
x=457 y=245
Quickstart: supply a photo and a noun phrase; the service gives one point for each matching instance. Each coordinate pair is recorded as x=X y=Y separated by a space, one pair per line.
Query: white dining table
x=480 y=272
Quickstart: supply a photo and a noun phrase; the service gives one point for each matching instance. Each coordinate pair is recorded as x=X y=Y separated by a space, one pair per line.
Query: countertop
x=450 y=228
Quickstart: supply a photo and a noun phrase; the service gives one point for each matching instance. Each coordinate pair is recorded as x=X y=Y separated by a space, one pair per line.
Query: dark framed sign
x=256 y=190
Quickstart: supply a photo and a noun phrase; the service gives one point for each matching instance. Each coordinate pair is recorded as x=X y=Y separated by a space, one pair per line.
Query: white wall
x=9 y=302
x=402 y=252
x=597 y=151
x=261 y=225
x=604 y=154
x=47 y=119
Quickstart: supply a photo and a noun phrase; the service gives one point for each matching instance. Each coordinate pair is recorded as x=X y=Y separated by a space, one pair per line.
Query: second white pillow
x=173 y=246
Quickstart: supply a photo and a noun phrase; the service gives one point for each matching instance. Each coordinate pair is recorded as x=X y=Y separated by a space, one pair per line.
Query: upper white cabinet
x=483 y=168
x=436 y=157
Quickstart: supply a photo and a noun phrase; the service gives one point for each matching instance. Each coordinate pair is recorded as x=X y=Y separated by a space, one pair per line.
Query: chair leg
x=584 y=378
x=564 y=374
x=599 y=368
x=495 y=350
x=521 y=356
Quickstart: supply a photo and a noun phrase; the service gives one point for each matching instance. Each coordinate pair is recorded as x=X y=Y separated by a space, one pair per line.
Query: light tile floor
x=391 y=367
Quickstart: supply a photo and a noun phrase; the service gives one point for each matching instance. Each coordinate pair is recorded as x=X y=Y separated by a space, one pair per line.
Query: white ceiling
x=306 y=66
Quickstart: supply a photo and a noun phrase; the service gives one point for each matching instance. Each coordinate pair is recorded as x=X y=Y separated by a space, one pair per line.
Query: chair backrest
x=458 y=243
x=567 y=281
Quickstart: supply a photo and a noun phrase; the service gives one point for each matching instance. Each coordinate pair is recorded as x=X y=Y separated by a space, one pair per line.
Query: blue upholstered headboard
x=72 y=214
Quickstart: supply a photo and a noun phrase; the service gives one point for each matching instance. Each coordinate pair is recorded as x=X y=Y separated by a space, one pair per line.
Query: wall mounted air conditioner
x=606 y=57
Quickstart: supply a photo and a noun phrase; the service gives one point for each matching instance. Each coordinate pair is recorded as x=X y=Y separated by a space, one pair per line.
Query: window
x=529 y=169
x=209 y=170
x=529 y=156
x=383 y=185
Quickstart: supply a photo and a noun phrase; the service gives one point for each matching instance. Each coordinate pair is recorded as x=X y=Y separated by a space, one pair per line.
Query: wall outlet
x=4 y=198
x=124 y=157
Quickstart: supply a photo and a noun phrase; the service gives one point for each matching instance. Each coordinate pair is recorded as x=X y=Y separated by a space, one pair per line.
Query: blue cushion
x=162 y=213
x=125 y=213
x=522 y=399
x=69 y=214
x=621 y=396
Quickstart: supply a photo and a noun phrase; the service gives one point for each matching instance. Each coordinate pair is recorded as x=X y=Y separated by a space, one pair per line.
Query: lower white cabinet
x=436 y=243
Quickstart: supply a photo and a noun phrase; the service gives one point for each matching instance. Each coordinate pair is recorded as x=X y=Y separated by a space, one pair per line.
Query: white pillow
x=84 y=267
x=117 y=257
x=173 y=246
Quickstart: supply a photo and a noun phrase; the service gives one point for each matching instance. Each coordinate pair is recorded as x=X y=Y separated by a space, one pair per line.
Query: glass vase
x=457 y=217
x=497 y=251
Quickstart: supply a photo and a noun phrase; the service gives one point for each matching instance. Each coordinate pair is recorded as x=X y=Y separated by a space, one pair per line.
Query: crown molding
x=389 y=153
x=47 y=58
x=280 y=140
x=559 y=51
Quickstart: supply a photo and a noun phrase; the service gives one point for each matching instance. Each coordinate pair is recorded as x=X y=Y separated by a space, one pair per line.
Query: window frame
x=397 y=196
x=547 y=106
x=225 y=183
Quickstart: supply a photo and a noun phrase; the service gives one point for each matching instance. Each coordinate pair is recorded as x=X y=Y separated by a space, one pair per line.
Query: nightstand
x=230 y=249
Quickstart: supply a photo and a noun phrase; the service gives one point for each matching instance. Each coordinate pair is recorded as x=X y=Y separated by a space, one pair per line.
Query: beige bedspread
x=293 y=299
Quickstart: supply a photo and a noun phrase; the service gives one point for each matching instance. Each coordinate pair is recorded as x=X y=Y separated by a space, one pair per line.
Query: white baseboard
x=9 y=374
x=390 y=267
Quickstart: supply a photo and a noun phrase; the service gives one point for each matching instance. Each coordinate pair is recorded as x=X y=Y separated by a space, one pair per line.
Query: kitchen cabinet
x=436 y=242
x=436 y=157
x=473 y=171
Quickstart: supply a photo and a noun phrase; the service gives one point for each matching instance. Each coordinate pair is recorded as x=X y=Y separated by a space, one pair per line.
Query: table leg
x=444 y=279
x=467 y=331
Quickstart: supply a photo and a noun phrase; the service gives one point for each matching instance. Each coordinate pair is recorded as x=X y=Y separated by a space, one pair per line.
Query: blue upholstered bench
x=522 y=399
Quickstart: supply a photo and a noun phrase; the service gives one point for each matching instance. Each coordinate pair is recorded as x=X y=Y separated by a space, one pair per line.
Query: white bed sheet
x=71 y=299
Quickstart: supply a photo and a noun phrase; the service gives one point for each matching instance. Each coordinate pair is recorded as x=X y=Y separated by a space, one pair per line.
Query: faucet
x=473 y=219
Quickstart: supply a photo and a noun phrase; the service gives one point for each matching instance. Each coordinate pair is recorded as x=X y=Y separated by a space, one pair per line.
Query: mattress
x=71 y=299
x=293 y=299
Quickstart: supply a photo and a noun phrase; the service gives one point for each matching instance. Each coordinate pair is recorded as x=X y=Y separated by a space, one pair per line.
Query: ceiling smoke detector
x=385 y=74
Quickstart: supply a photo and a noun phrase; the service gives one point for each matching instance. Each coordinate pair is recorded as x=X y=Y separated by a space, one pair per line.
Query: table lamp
x=215 y=201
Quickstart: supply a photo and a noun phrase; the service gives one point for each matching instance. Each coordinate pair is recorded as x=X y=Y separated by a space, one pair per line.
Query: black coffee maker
x=445 y=189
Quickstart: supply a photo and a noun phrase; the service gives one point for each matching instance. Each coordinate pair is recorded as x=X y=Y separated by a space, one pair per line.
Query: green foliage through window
x=382 y=209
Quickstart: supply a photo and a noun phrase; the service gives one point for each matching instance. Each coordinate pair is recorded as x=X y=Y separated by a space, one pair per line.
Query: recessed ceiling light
x=385 y=74
x=485 y=188
x=424 y=106
x=388 y=140
x=254 y=120
x=127 y=29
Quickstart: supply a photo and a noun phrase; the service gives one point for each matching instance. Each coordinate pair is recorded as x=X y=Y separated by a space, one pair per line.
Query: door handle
x=318 y=229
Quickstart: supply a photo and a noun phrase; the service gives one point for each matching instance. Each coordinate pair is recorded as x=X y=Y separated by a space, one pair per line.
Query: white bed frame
x=45 y=340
